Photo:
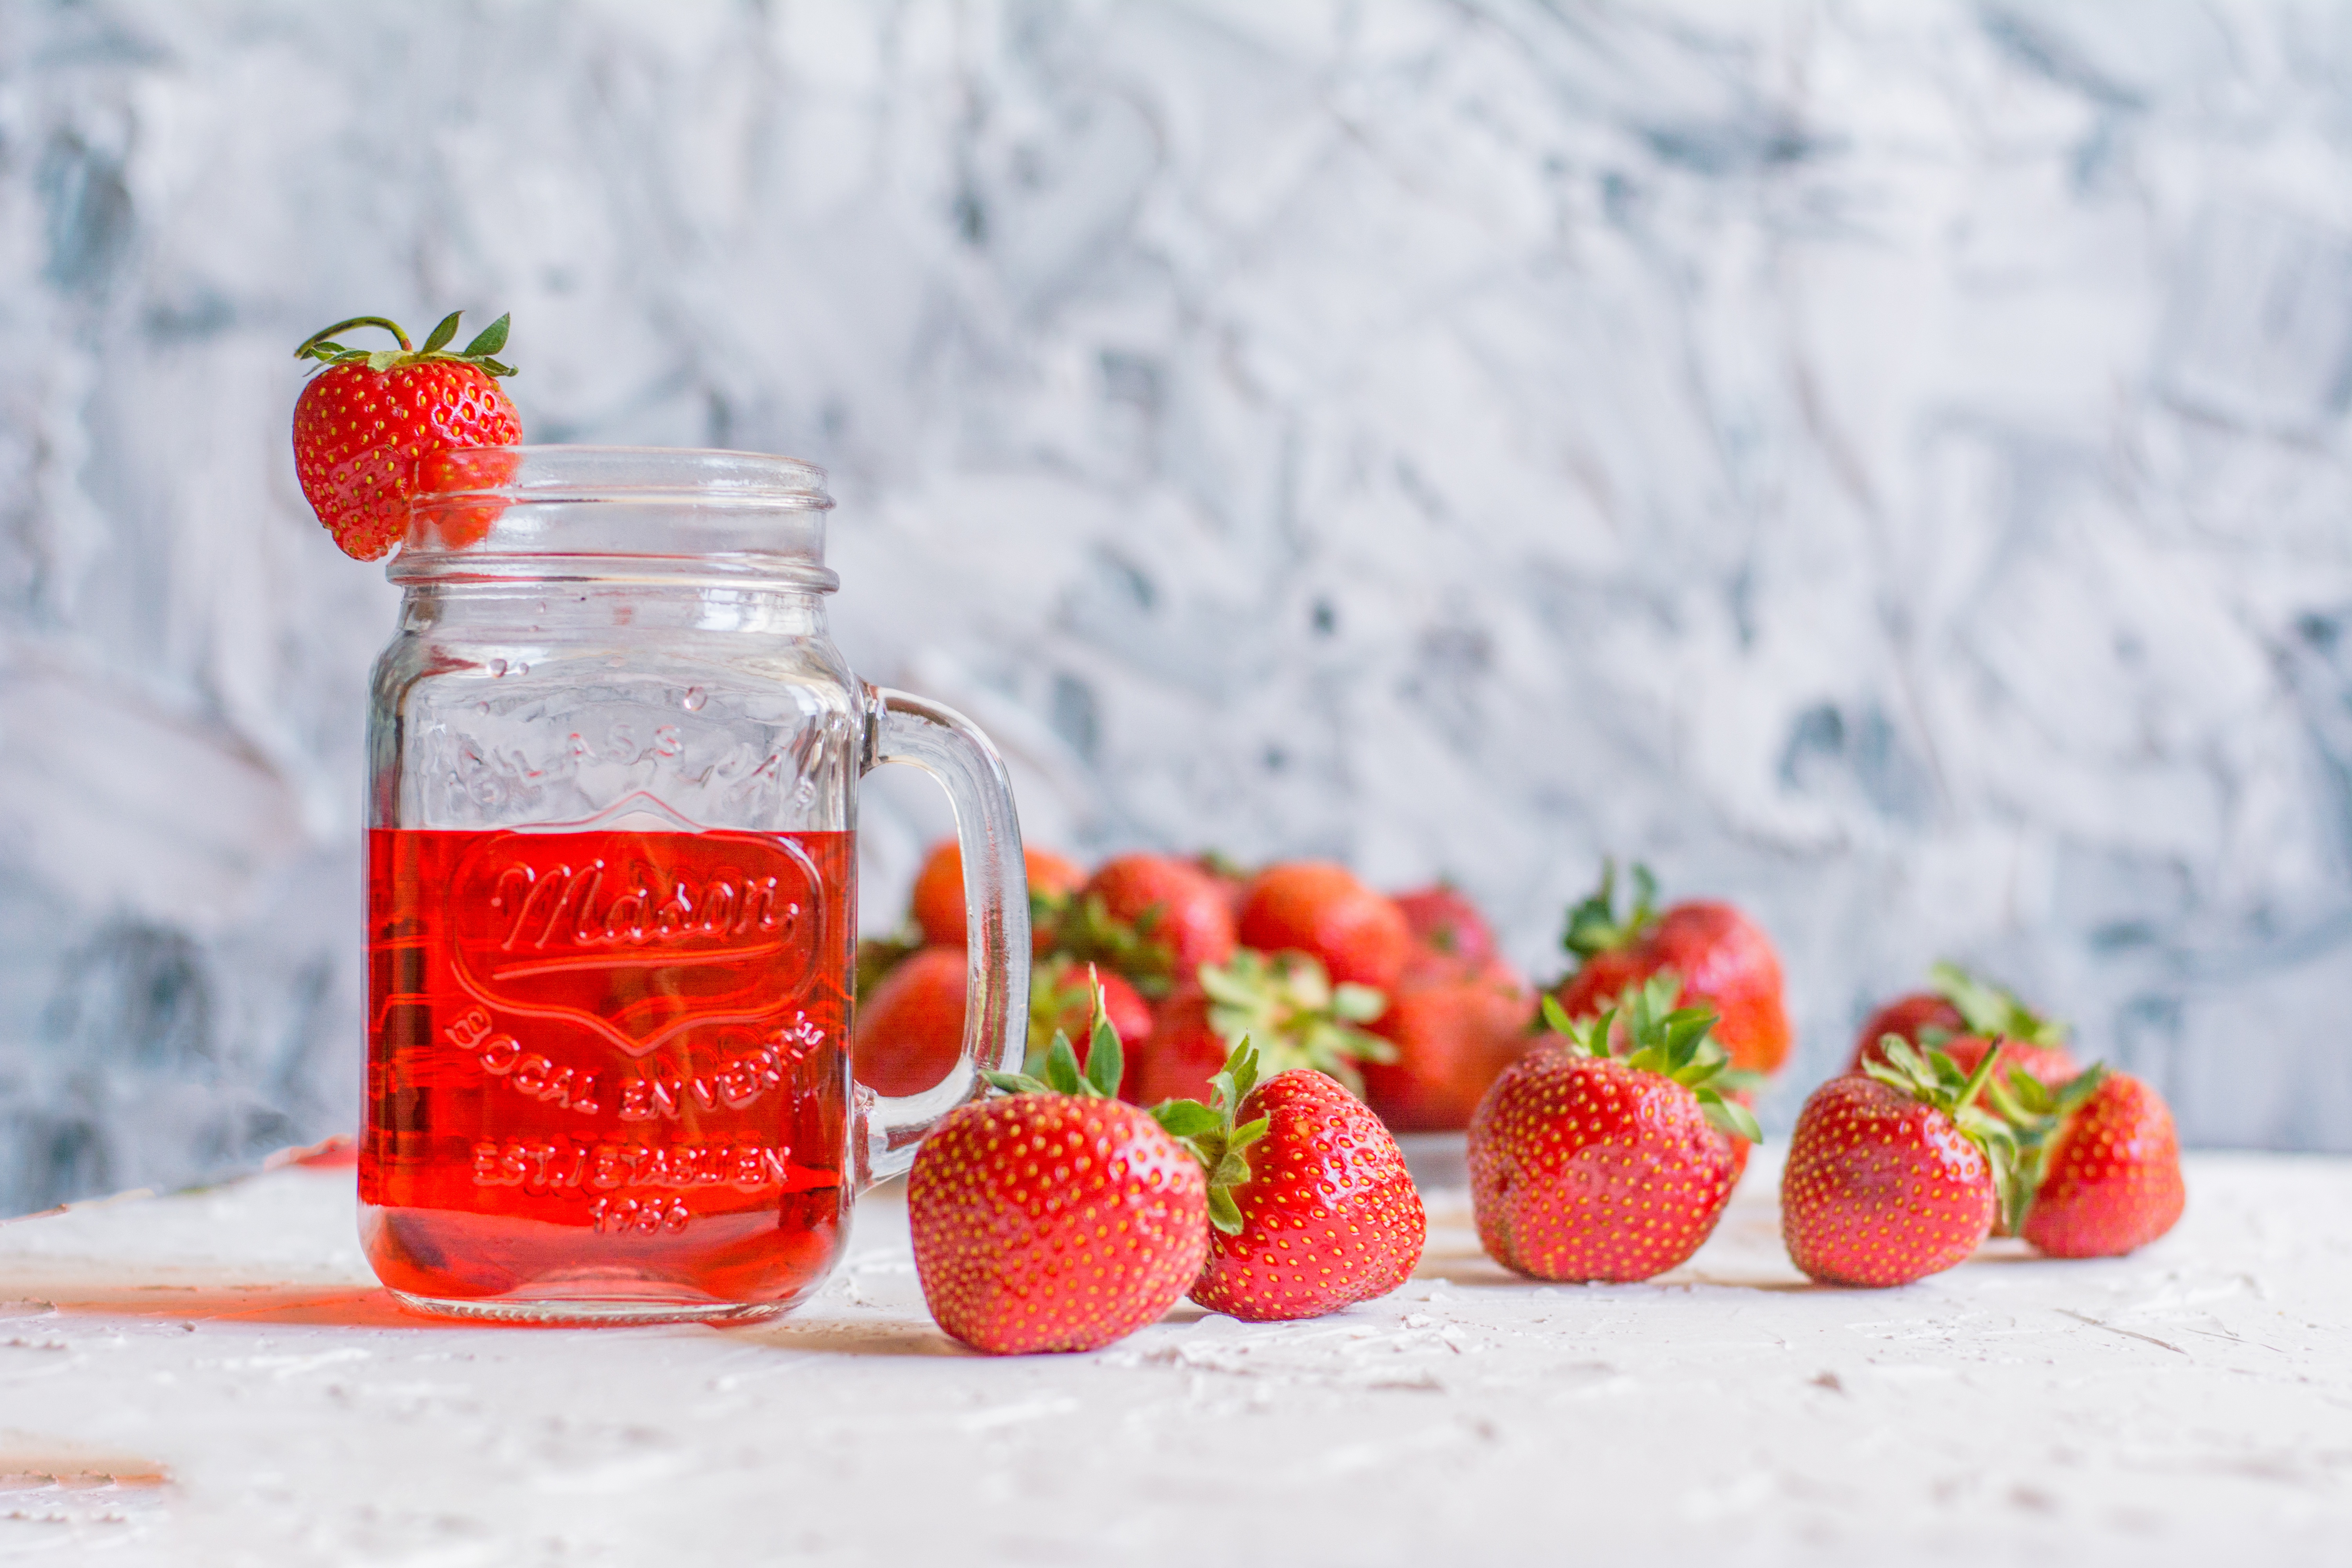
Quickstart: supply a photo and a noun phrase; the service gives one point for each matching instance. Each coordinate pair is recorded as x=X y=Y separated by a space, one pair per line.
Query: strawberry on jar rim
x=1724 y=959
x=1312 y=1205
x=1586 y=1164
x=1319 y=908
x=364 y=424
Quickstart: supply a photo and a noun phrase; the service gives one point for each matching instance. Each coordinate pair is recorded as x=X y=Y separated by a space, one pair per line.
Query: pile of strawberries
x=1607 y=1117
x=1404 y=1000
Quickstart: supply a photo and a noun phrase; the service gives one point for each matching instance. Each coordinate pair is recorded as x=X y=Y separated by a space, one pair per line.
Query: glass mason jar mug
x=611 y=893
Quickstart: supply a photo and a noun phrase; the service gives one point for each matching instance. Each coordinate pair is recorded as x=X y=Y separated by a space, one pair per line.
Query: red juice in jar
x=608 y=1065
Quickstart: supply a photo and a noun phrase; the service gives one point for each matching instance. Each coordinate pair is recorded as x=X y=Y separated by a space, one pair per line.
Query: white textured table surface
x=227 y=1356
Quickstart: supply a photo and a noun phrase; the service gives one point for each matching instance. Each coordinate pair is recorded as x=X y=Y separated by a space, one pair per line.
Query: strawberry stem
x=1976 y=1079
x=315 y=339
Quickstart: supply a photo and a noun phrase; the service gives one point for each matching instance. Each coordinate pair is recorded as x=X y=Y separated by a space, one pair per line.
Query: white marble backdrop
x=1882 y=462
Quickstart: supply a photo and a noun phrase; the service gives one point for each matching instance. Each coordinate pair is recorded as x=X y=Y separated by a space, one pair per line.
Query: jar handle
x=943 y=743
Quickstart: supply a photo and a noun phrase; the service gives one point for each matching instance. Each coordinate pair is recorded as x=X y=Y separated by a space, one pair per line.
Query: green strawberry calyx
x=1210 y=1132
x=1080 y=926
x=1936 y=1080
x=478 y=354
x=1593 y=927
x=1289 y=1004
x=2036 y=1114
x=1206 y=1132
x=1994 y=1012
x=1675 y=1043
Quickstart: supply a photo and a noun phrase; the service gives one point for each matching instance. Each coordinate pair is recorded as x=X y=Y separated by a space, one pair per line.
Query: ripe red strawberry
x=362 y=425
x=1894 y=1173
x=1588 y=1166
x=1445 y=924
x=1456 y=1026
x=1153 y=918
x=909 y=1029
x=1055 y=1218
x=1959 y=1017
x=1285 y=1003
x=937 y=904
x=1726 y=963
x=1319 y=908
x=1312 y=1204
x=2103 y=1166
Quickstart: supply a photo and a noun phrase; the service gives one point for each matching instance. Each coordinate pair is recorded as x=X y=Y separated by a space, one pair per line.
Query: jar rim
x=672 y=512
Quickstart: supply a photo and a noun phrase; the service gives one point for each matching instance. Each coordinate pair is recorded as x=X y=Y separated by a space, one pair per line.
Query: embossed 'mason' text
x=557 y=905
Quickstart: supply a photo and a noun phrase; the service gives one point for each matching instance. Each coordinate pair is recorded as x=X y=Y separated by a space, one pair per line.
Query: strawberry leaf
x=440 y=335
x=1358 y=1003
x=1224 y=1213
x=1106 y=1059
x=1182 y=1118
x=1062 y=1066
x=488 y=341
x=1728 y=1115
